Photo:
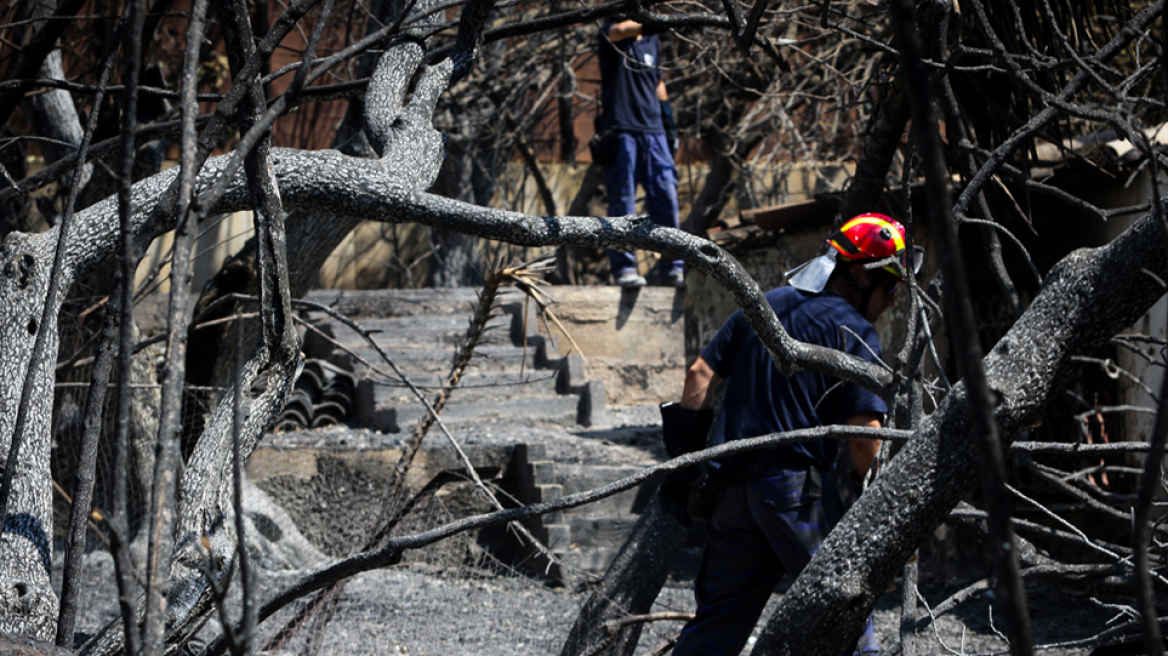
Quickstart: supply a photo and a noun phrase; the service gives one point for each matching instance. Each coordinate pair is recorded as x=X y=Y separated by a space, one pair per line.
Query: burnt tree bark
x=631 y=584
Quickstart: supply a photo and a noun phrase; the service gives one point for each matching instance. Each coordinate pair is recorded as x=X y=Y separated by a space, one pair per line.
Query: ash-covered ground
x=416 y=611
x=488 y=608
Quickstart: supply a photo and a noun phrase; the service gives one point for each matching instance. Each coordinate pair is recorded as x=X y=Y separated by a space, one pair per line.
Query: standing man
x=635 y=117
x=777 y=505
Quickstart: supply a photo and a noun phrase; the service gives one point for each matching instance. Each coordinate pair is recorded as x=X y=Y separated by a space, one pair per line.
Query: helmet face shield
x=811 y=276
x=912 y=261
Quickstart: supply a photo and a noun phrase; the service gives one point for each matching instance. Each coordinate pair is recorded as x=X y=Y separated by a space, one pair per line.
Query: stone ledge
x=631 y=342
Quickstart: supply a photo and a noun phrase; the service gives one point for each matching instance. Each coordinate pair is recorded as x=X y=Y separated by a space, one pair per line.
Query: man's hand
x=864 y=449
x=671 y=135
x=700 y=383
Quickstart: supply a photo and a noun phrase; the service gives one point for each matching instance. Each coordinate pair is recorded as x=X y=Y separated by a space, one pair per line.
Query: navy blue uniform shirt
x=629 y=73
x=759 y=400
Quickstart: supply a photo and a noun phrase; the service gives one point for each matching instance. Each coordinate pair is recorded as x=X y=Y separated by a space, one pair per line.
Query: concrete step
x=604 y=531
x=425 y=330
x=576 y=478
x=500 y=386
x=410 y=302
x=588 y=537
x=529 y=410
x=431 y=360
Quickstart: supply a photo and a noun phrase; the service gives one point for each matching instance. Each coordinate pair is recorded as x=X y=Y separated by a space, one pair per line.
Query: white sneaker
x=676 y=279
x=630 y=280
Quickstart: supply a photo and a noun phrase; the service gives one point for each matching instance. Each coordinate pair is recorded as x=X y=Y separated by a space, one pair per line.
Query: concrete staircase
x=517 y=376
x=523 y=410
x=585 y=538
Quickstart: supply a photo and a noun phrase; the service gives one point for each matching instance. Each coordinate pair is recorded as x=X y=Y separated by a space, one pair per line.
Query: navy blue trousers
x=642 y=159
x=762 y=528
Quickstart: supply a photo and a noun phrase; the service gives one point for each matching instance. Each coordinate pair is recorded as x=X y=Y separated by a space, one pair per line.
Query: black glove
x=674 y=493
x=671 y=134
x=684 y=430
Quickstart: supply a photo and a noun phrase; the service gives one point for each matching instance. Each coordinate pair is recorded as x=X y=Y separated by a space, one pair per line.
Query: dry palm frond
x=527 y=278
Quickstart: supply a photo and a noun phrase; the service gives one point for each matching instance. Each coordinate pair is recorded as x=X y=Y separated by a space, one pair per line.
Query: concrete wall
x=1138 y=425
x=1144 y=375
x=709 y=304
x=633 y=342
x=218 y=239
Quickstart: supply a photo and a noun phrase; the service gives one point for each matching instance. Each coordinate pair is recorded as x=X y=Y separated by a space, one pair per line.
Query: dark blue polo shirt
x=759 y=400
x=629 y=75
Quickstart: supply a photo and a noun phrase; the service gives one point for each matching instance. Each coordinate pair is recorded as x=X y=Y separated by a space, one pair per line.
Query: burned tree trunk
x=631 y=584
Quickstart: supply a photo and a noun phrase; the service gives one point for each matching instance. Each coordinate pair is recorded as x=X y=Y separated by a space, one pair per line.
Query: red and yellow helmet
x=870 y=237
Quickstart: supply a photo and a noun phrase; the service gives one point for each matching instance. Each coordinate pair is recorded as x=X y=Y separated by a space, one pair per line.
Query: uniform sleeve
x=607 y=50
x=722 y=351
x=850 y=399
